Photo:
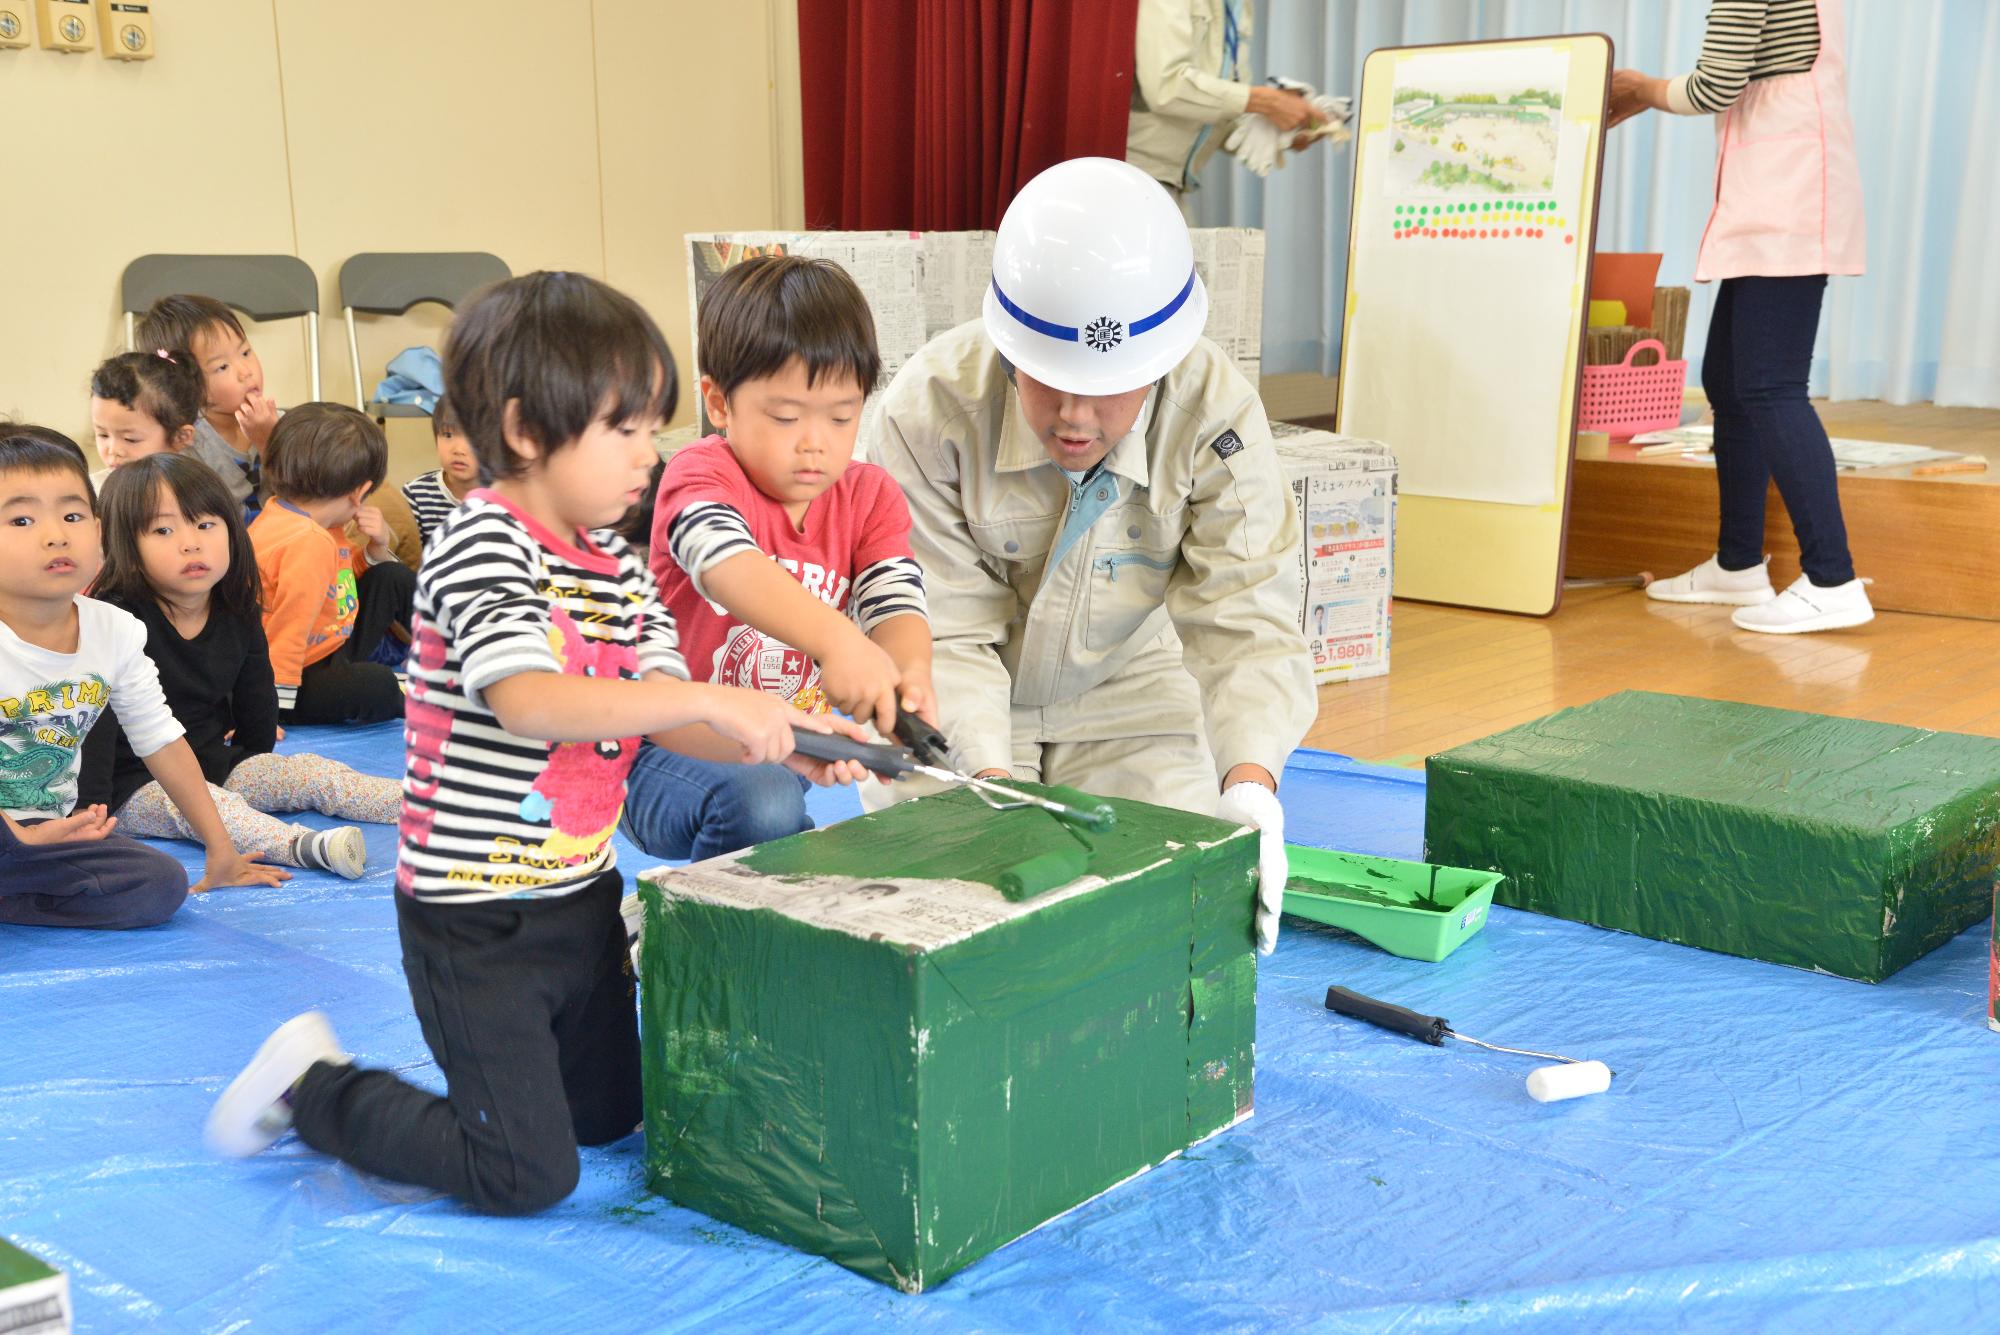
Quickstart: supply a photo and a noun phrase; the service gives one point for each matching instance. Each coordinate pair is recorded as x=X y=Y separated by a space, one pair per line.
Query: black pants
x=110 y=882
x=528 y=1006
x=1760 y=343
x=344 y=687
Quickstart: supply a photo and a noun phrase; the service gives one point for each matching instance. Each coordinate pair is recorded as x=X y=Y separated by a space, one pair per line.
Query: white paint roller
x=1571 y=1079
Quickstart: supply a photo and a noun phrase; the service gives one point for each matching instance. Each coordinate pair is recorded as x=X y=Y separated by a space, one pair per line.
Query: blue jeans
x=680 y=807
x=1760 y=344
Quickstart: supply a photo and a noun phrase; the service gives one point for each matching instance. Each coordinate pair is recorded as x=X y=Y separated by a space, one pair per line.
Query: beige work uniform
x=1134 y=635
x=1186 y=87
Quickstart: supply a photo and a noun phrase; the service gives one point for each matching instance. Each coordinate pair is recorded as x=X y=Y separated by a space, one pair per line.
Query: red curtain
x=928 y=115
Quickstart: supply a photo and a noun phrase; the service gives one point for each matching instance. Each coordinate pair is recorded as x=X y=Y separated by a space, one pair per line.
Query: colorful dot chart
x=1488 y=220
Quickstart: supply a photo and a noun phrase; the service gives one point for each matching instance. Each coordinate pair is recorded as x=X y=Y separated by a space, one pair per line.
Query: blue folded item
x=416 y=375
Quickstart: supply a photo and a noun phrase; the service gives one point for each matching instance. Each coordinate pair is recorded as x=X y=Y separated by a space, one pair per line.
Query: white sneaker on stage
x=1805 y=607
x=1710 y=583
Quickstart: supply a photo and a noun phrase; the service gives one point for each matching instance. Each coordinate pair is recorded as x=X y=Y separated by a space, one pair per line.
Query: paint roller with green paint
x=1073 y=807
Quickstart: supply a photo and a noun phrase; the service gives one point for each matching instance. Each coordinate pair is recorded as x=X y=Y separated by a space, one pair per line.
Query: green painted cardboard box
x=1832 y=844
x=854 y=1044
x=34 y=1296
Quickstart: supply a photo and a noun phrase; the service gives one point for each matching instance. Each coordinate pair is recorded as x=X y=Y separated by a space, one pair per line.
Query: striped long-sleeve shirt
x=1745 y=40
x=487 y=814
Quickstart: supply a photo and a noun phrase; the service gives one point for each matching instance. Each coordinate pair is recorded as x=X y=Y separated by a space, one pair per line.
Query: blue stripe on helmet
x=1068 y=333
x=1160 y=316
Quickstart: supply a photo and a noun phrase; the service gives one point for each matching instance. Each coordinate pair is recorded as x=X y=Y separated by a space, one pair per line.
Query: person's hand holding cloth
x=1300 y=114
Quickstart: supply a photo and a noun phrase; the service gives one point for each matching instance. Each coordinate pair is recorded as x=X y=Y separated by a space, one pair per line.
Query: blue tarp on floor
x=1779 y=1150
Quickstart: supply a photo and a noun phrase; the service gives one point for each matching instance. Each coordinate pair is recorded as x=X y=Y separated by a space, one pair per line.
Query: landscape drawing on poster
x=1477 y=124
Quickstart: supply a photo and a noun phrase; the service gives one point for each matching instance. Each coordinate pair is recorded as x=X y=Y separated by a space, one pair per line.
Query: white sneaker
x=1805 y=606
x=256 y=1108
x=342 y=851
x=1710 y=583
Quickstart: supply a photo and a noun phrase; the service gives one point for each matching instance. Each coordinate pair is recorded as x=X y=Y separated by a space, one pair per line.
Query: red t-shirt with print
x=858 y=521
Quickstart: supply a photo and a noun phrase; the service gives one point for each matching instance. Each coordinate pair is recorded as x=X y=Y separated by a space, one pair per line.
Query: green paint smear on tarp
x=904 y=1111
x=1833 y=844
x=961 y=838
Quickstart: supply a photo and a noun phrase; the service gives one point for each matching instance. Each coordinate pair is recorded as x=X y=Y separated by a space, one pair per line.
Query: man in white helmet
x=1108 y=544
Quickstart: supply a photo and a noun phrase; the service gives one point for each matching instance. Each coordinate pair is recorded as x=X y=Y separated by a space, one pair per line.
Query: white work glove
x=1255 y=805
x=1260 y=145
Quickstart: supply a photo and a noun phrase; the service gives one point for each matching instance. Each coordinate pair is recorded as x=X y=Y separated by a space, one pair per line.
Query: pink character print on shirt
x=425 y=728
x=581 y=791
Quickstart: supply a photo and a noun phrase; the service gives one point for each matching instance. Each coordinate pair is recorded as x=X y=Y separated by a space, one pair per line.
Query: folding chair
x=263 y=287
x=390 y=282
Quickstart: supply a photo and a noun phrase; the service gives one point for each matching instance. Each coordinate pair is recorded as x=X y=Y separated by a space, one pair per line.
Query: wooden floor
x=1457 y=675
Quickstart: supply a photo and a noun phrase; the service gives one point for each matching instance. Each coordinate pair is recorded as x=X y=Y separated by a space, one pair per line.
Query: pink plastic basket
x=1627 y=400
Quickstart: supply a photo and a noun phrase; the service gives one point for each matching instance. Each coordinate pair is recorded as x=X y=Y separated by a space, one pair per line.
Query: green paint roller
x=1044 y=872
x=1069 y=805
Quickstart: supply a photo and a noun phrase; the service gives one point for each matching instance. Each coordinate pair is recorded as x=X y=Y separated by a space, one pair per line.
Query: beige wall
x=575 y=134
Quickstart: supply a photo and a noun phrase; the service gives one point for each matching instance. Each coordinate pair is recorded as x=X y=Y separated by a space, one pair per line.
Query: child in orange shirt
x=326 y=605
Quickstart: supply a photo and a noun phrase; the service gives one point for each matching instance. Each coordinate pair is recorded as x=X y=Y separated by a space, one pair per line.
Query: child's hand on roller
x=861 y=680
x=234 y=868
x=828 y=773
x=257 y=415
x=759 y=723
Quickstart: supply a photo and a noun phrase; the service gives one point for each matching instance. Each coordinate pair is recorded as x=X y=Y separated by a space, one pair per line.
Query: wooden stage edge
x=1927 y=543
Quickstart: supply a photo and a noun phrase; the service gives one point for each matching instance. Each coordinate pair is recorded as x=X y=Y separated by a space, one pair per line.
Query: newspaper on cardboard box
x=1344 y=489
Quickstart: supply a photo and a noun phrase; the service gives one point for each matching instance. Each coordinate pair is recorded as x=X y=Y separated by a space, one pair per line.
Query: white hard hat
x=1094 y=289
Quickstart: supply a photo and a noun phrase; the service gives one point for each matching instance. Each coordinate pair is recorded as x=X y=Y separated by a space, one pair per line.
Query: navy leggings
x=1760 y=343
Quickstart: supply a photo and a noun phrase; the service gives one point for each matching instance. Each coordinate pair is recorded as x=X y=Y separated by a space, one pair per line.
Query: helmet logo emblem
x=1104 y=333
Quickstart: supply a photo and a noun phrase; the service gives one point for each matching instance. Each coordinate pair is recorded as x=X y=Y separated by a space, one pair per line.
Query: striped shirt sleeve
x=482 y=582
x=889 y=588
x=1746 y=40
x=705 y=534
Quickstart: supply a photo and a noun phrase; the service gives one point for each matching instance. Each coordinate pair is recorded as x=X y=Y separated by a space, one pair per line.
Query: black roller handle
x=1430 y=1028
x=926 y=743
x=889 y=761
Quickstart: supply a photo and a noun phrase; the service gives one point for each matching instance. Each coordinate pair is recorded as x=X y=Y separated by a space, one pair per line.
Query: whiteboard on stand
x=1474 y=212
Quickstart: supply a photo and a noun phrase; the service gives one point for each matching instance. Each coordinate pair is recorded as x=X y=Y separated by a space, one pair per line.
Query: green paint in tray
x=1412 y=909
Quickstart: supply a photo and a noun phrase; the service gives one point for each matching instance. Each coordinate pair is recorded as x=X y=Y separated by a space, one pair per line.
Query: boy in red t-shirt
x=787 y=566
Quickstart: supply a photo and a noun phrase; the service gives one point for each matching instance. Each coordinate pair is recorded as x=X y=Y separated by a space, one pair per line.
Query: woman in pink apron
x=1787 y=214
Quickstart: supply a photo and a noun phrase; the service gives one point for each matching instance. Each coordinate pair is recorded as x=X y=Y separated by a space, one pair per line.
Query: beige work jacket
x=1040 y=589
x=1185 y=91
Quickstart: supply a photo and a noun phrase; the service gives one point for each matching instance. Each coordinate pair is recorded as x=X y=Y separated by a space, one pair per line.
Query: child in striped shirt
x=542 y=654
x=437 y=493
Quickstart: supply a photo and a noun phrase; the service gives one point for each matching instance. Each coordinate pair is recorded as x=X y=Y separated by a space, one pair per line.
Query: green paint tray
x=1412 y=909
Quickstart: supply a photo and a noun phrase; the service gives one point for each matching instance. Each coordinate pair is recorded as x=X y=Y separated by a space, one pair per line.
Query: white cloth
x=49 y=700
x=1260 y=145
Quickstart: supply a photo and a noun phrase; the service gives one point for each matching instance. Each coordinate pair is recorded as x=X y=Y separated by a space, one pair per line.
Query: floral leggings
x=267 y=783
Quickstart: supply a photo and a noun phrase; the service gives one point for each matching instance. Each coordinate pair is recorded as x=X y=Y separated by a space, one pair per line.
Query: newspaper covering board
x=919 y=284
x=1344 y=490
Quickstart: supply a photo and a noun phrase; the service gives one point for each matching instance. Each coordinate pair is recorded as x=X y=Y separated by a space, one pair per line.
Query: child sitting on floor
x=63 y=659
x=786 y=565
x=436 y=494
x=176 y=556
x=541 y=654
x=327 y=606
x=141 y=404
x=237 y=417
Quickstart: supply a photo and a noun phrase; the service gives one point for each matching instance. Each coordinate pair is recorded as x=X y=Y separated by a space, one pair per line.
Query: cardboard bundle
x=1670 y=317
